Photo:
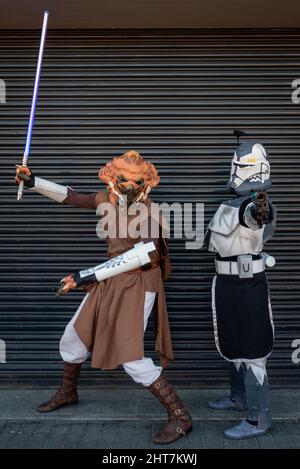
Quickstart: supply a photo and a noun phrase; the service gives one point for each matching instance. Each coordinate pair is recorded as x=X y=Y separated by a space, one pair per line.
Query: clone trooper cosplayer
x=121 y=293
x=242 y=315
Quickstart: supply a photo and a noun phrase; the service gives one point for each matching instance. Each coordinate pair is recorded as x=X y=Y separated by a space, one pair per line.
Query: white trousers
x=73 y=350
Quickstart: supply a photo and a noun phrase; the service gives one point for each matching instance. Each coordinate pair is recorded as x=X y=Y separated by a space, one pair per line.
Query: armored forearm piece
x=129 y=260
x=50 y=189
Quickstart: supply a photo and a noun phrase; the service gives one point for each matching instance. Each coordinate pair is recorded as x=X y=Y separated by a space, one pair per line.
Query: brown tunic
x=111 y=321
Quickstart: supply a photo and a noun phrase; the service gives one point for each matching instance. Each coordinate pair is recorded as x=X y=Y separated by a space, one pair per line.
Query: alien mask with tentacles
x=129 y=178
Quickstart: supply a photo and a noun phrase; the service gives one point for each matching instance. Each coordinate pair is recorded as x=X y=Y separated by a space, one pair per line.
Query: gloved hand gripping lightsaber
x=34 y=100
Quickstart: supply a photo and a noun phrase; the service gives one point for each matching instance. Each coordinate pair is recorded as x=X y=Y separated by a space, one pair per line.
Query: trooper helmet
x=250 y=169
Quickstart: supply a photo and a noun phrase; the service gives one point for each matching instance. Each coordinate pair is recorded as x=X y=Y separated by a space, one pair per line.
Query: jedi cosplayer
x=113 y=316
x=242 y=314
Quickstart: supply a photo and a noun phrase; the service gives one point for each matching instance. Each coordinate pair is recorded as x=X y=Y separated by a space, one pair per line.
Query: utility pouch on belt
x=245 y=266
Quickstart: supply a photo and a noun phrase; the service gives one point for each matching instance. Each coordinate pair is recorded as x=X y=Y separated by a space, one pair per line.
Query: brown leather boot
x=67 y=393
x=179 y=420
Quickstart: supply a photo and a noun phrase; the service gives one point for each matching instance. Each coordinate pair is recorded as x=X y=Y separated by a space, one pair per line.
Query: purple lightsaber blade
x=34 y=100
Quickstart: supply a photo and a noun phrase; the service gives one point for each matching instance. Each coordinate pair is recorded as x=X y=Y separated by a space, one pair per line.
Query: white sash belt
x=231 y=267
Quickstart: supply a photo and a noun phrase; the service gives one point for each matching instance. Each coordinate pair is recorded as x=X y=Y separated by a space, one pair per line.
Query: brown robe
x=111 y=321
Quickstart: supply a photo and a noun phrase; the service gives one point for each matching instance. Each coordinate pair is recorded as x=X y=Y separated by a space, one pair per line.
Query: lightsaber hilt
x=21 y=185
x=34 y=99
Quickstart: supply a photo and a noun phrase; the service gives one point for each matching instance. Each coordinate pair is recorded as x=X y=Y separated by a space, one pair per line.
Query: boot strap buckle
x=180 y=430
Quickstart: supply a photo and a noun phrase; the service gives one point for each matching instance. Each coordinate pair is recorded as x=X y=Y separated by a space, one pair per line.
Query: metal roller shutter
x=175 y=97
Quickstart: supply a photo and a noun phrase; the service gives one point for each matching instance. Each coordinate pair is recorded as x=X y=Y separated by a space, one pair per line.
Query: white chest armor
x=228 y=237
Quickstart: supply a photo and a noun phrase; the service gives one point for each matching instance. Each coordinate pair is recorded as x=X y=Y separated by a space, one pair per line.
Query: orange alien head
x=130 y=175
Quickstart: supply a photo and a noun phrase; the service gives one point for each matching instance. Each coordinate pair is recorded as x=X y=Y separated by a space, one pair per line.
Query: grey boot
x=258 y=410
x=243 y=431
x=237 y=398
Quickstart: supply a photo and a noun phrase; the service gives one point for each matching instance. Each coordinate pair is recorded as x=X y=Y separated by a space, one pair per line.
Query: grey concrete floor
x=128 y=418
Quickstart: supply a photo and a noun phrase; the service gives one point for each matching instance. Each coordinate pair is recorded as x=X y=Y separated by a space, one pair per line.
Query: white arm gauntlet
x=50 y=189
